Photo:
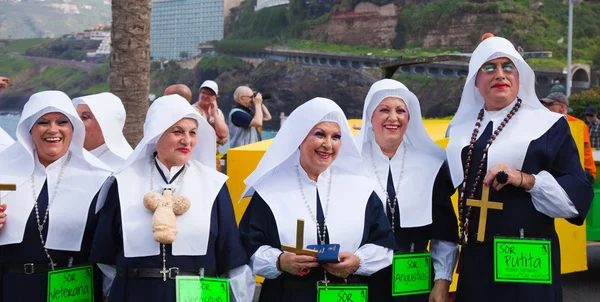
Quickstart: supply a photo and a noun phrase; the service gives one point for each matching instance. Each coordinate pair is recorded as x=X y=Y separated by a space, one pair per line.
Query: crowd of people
x=142 y=217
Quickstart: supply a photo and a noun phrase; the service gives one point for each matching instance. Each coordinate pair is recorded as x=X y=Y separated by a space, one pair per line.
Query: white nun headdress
x=342 y=188
x=421 y=165
x=201 y=183
x=5 y=140
x=110 y=114
x=529 y=123
x=293 y=132
x=81 y=179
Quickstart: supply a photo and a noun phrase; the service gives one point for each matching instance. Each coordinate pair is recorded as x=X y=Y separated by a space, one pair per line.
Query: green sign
x=342 y=293
x=411 y=274
x=522 y=260
x=194 y=289
x=74 y=284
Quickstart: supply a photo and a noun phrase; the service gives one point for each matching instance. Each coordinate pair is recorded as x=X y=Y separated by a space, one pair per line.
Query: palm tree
x=130 y=62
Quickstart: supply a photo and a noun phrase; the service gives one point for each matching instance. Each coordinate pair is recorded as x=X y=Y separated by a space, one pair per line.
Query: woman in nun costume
x=207 y=243
x=502 y=138
x=103 y=115
x=5 y=140
x=311 y=171
x=413 y=181
x=51 y=218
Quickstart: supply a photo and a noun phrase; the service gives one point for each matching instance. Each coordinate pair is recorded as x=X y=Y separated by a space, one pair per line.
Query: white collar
x=200 y=184
x=343 y=207
x=100 y=151
x=415 y=188
x=168 y=173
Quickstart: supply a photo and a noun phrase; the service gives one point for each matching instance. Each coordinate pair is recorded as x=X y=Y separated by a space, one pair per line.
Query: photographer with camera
x=248 y=114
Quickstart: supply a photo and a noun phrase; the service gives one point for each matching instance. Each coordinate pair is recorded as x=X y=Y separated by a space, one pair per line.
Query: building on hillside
x=177 y=27
x=103 y=48
x=260 y=4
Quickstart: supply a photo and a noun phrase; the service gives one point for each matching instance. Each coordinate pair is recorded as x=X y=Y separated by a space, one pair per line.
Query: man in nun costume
x=503 y=138
x=312 y=172
x=207 y=242
x=103 y=115
x=5 y=140
x=417 y=188
x=57 y=183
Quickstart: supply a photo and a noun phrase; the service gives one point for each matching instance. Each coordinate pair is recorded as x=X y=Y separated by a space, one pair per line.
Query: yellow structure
x=243 y=160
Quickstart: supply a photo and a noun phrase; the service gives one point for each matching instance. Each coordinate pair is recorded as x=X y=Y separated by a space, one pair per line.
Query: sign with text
x=194 y=289
x=342 y=293
x=74 y=284
x=522 y=260
x=411 y=274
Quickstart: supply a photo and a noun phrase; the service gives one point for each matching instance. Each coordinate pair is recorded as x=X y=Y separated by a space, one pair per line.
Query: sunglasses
x=507 y=67
x=590 y=115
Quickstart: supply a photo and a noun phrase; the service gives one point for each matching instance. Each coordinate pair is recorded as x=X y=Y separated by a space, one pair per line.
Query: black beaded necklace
x=464 y=217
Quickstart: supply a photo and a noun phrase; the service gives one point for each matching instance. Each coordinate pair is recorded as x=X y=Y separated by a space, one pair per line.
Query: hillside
x=406 y=27
x=51 y=18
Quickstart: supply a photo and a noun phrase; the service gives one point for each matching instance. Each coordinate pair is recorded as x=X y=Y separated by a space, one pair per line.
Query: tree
x=130 y=62
x=184 y=55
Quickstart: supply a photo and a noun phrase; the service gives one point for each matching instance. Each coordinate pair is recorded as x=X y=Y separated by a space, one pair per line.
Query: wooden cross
x=299 y=248
x=484 y=204
x=7 y=187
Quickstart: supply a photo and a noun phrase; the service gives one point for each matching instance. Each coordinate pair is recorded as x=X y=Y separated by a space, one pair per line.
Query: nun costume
x=414 y=184
x=109 y=112
x=542 y=178
x=340 y=207
x=51 y=216
x=207 y=242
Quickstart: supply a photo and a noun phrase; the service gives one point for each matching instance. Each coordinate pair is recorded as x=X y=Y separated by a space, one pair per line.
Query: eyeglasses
x=507 y=67
x=590 y=115
x=246 y=96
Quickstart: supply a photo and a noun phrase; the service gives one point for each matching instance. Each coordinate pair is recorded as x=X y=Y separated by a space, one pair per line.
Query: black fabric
x=17 y=286
x=258 y=227
x=554 y=152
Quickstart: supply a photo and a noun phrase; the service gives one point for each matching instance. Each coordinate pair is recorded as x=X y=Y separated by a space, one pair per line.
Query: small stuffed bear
x=165 y=207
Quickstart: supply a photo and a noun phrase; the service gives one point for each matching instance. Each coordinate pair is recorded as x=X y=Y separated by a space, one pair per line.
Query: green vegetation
x=64 y=49
x=19 y=46
x=361 y=50
x=578 y=102
x=14 y=66
x=233 y=45
x=221 y=62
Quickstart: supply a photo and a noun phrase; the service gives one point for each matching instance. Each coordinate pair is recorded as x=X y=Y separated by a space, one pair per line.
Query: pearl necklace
x=320 y=235
x=50 y=202
x=391 y=205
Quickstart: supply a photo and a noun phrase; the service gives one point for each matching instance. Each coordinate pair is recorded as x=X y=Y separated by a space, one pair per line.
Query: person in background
x=591 y=118
x=559 y=103
x=103 y=115
x=248 y=114
x=208 y=108
x=181 y=90
x=5 y=139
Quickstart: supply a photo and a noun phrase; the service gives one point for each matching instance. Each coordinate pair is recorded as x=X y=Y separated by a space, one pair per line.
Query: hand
x=514 y=177
x=222 y=141
x=257 y=99
x=105 y=299
x=356 y=127
x=348 y=265
x=4 y=81
x=294 y=264
x=440 y=291
x=214 y=108
x=2 y=215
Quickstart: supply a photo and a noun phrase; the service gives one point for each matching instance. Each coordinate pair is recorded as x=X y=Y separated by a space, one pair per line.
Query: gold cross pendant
x=484 y=204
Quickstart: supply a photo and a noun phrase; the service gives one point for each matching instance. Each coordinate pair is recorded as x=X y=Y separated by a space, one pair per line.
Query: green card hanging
x=75 y=284
x=196 y=288
x=522 y=260
x=411 y=274
x=342 y=293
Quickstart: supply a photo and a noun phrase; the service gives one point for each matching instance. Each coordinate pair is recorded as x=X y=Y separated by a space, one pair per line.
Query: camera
x=265 y=96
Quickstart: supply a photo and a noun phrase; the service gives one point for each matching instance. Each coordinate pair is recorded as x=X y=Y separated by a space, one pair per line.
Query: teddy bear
x=165 y=207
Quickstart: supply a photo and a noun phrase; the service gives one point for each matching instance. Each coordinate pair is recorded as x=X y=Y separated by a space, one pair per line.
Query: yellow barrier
x=242 y=161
